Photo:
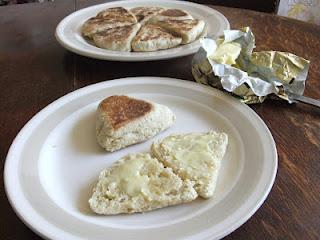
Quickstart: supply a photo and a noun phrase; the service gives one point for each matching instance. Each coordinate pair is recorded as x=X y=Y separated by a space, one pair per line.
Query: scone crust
x=152 y=38
x=188 y=29
x=171 y=14
x=143 y=14
x=123 y=109
x=107 y=19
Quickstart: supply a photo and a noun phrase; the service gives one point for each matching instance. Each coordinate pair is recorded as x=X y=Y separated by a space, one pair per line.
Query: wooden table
x=35 y=70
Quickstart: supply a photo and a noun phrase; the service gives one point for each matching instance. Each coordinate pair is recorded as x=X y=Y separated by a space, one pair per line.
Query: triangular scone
x=122 y=121
x=109 y=18
x=117 y=13
x=95 y=25
x=171 y=14
x=193 y=156
x=188 y=30
x=139 y=183
x=143 y=14
x=153 y=38
x=116 y=39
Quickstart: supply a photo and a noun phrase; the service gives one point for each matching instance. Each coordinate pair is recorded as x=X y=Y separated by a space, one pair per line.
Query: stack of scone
x=177 y=170
x=142 y=29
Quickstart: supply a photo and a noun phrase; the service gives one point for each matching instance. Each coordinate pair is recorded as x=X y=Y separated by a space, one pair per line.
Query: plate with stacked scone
x=139 y=30
x=141 y=158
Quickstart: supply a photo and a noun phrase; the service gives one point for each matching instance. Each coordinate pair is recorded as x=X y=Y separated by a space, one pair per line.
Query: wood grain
x=35 y=71
x=292 y=209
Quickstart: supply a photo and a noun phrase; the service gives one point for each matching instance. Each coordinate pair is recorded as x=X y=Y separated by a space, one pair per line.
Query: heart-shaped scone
x=152 y=38
x=109 y=18
x=188 y=29
x=116 y=39
x=194 y=156
x=139 y=183
x=123 y=121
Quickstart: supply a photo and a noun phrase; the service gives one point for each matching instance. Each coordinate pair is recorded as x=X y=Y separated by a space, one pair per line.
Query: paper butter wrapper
x=229 y=63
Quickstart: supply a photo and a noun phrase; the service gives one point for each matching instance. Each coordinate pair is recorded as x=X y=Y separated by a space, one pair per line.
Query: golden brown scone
x=116 y=39
x=117 y=13
x=143 y=14
x=109 y=18
x=123 y=121
x=171 y=14
x=153 y=38
x=188 y=30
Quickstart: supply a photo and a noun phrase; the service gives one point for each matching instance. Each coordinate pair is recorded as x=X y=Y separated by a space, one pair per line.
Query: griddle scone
x=116 y=39
x=138 y=183
x=117 y=13
x=143 y=14
x=188 y=30
x=194 y=156
x=153 y=38
x=171 y=14
x=109 y=18
x=122 y=121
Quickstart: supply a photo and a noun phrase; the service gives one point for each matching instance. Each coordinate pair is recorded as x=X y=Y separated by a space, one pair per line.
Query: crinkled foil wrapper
x=229 y=63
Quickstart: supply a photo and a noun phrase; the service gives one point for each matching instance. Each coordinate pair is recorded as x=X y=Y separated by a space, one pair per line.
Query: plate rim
x=123 y=58
x=9 y=160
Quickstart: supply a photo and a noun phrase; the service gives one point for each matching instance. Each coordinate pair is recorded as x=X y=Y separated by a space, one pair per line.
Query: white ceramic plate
x=54 y=162
x=69 y=36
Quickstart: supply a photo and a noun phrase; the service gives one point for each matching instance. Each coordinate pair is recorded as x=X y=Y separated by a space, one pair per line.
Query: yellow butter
x=282 y=65
x=227 y=53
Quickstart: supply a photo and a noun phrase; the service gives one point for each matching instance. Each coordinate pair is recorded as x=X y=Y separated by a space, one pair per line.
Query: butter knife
x=298 y=98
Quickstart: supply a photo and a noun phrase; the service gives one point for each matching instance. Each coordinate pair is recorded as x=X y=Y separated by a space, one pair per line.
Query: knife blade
x=300 y=98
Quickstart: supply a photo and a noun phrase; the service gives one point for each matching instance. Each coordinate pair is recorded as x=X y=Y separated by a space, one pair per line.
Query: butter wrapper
x=229 y=63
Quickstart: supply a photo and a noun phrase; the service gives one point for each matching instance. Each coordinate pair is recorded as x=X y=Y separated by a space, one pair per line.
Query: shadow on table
x=89 y=71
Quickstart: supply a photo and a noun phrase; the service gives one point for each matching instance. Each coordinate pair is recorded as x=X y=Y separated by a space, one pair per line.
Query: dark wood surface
x=36 y=70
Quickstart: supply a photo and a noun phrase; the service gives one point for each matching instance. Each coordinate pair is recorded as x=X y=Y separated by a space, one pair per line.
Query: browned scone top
x=174 y=13
x=183 y=25
x=151 y=32
x=117 y=33
x=143 y=12
x=118 y=13
x=109 y=18
x=122 y=110
x=95 y=21
x=112 y=11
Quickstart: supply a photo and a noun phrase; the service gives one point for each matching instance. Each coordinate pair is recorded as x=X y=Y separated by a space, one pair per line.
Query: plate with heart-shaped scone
x=141 y=158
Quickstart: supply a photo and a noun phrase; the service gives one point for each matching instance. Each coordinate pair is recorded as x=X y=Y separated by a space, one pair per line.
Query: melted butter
x=128 y=178
x=192 y=151
x=195 y=160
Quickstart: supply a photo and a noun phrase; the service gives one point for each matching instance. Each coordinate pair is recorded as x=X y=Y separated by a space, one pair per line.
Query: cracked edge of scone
x=205 y=182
